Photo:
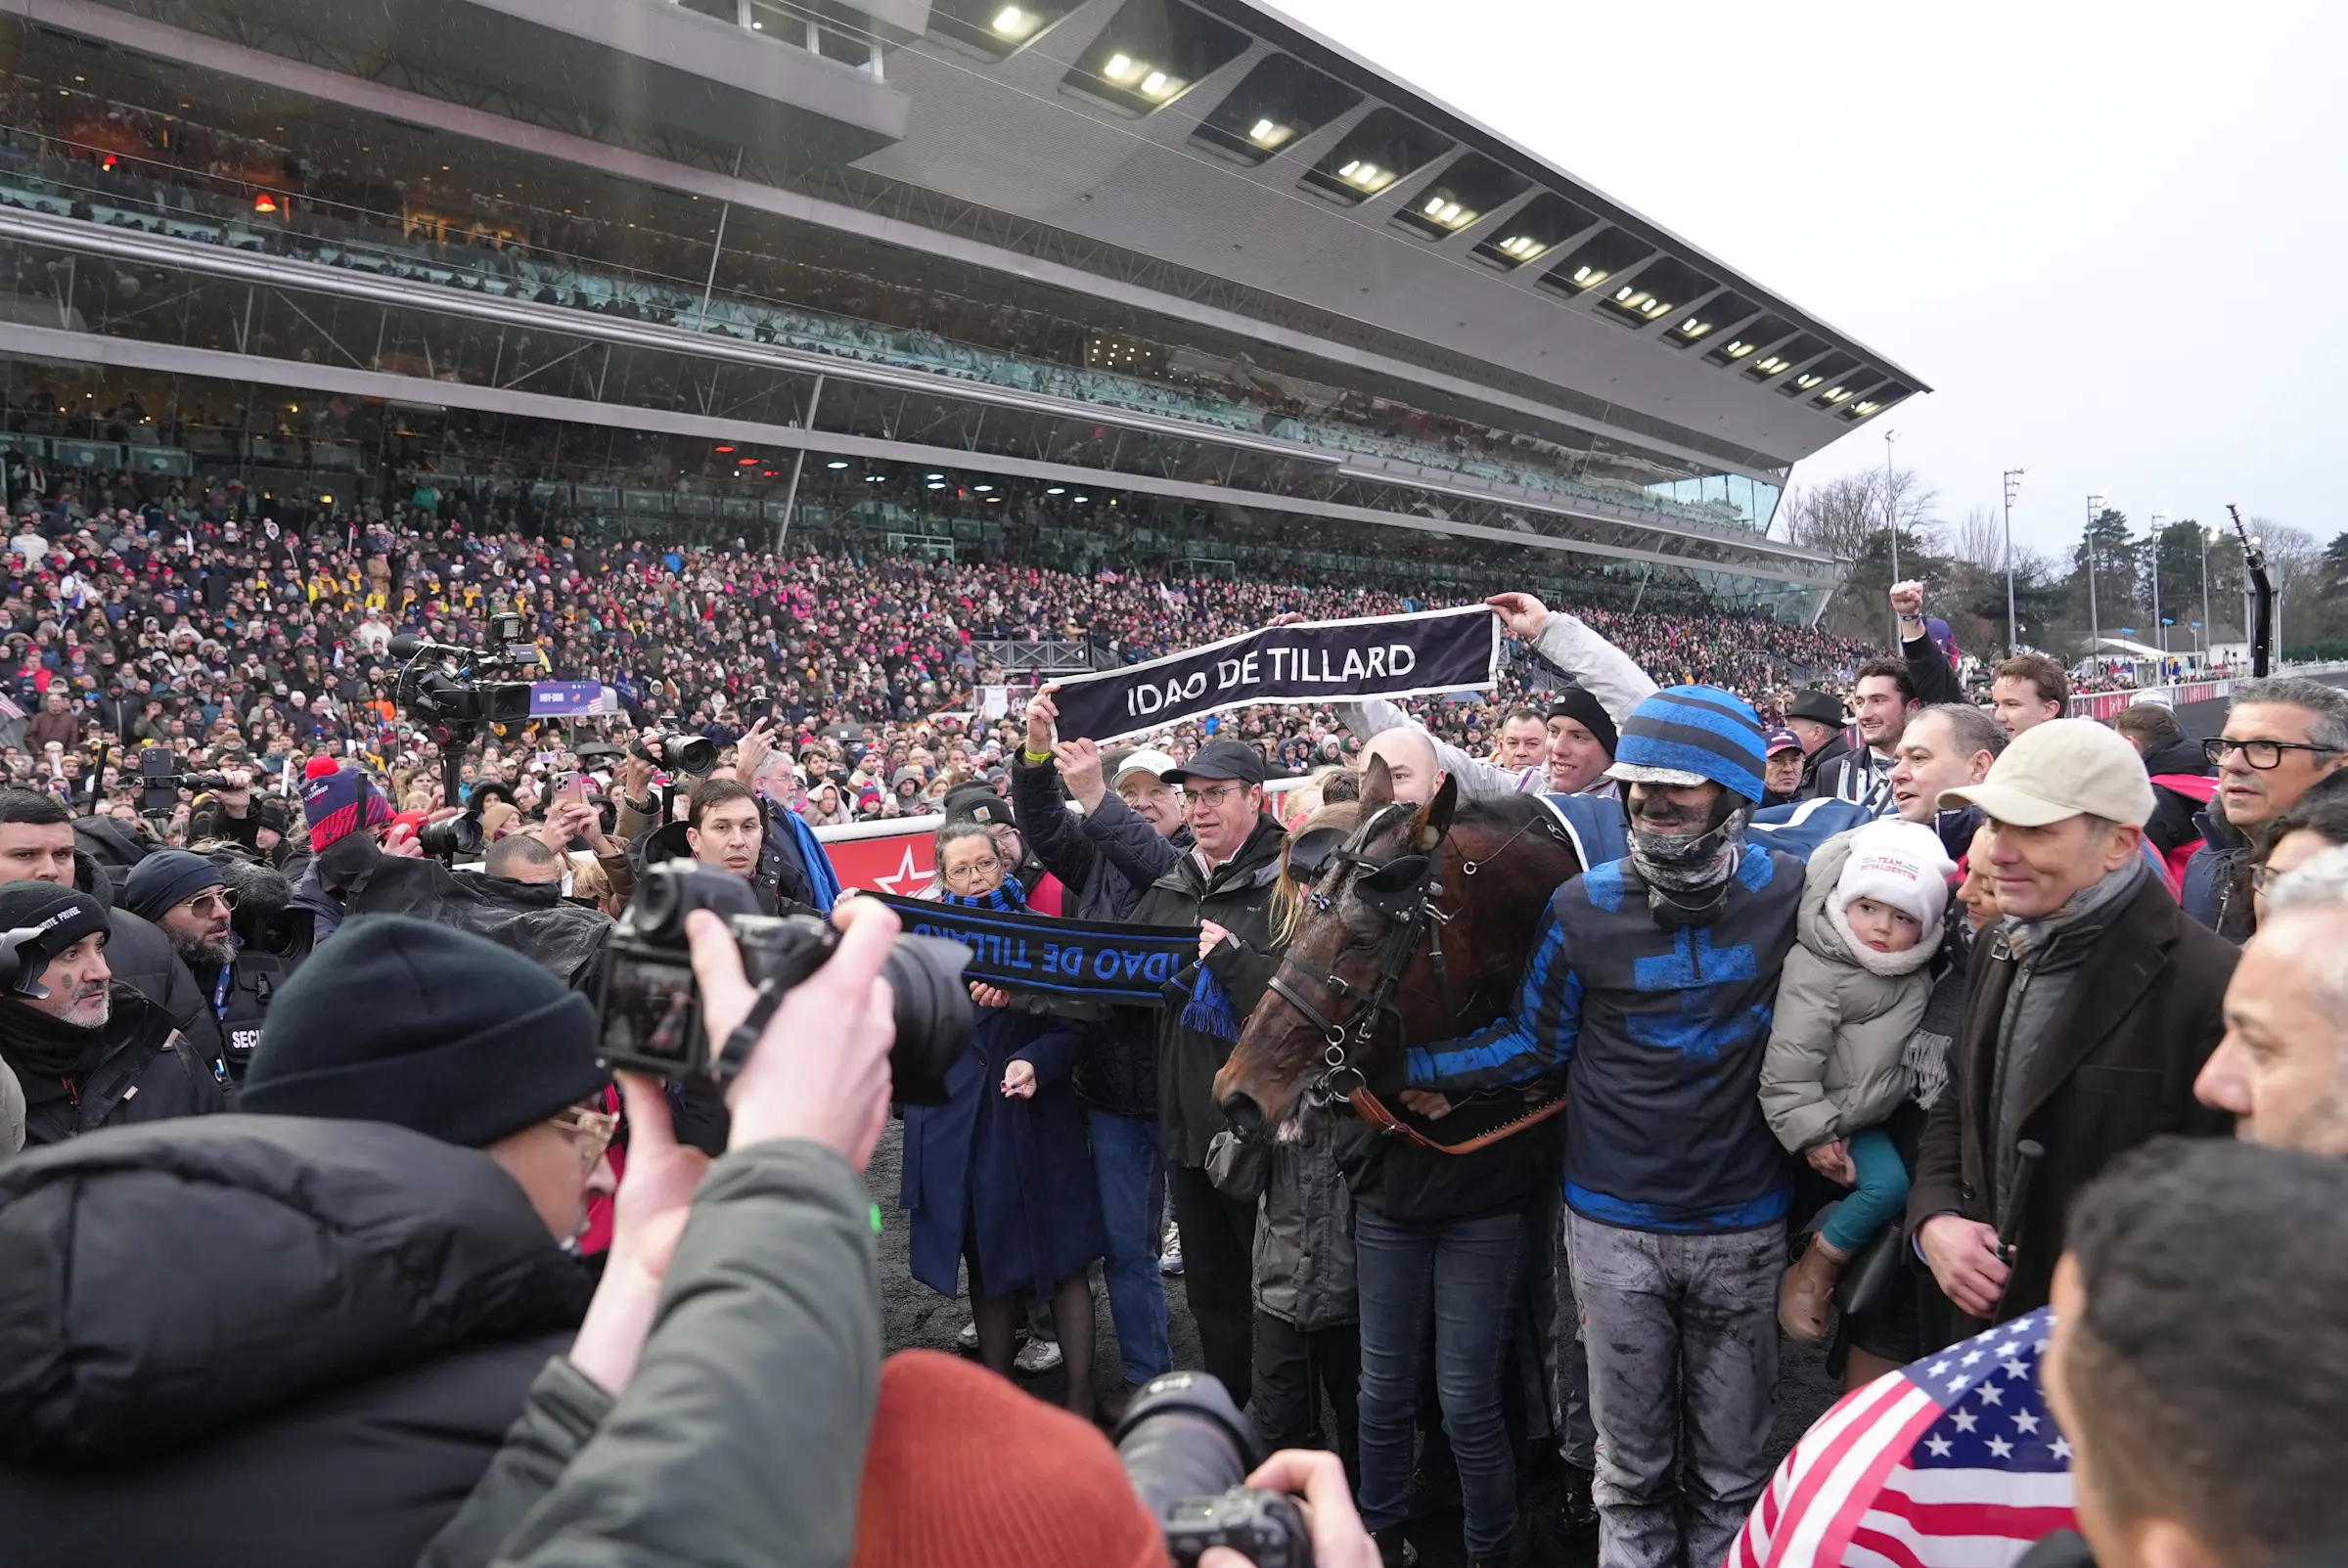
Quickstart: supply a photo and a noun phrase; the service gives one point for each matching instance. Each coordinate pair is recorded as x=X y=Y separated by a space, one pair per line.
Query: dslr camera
x=1188 y=1450
x=678 y=753
x=648 y=1011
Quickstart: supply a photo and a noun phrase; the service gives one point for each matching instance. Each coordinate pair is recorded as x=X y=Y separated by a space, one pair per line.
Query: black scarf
x=44 y=1048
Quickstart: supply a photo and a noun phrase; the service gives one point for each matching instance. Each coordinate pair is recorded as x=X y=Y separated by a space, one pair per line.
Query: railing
x=1039 y=658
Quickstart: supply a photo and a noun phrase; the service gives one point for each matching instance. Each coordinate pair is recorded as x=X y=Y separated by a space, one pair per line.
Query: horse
x=1415 y=925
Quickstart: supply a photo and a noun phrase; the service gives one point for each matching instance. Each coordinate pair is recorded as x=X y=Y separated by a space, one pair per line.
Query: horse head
x=1404 y=925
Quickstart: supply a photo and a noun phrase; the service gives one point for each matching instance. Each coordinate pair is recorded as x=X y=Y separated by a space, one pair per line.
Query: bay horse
x=1415 y=925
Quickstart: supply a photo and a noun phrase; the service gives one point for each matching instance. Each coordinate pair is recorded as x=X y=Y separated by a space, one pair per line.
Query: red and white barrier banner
x=2105 y=704
x=883 y=857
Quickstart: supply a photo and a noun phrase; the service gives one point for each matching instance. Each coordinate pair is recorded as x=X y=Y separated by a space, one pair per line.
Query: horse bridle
x=1404 y=891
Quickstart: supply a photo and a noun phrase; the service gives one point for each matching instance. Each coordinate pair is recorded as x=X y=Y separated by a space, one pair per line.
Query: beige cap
x=2062 y=768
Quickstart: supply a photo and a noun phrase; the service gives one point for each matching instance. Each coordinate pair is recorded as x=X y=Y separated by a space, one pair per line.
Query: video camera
x=460 y=704
x=648 y=1013
x=161 y=779
x=1188 y=1451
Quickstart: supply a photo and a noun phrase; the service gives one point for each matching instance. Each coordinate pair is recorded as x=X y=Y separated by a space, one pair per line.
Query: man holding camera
x=88 y=1051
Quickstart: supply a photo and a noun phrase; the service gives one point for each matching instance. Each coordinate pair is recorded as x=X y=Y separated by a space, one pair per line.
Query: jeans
x=1682 y=1332
x=1880 y=1195
x=1294 y=1369
x=1577 y=1436
x=1218 y=1274
x=1132 y=1176
x=1463 y=1277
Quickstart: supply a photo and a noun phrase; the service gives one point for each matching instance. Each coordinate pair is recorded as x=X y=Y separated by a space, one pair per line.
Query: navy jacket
x=1661 y=1033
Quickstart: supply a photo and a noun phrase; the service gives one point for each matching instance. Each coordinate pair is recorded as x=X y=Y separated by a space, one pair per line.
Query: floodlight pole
x=2205 y=533
x=2013 y=484
x=2160 y=635
x=2095 y=624
x=1891 y=520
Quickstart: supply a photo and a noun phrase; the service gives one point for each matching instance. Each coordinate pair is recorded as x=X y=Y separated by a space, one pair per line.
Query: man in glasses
x=2281 y=737
x=187 y=896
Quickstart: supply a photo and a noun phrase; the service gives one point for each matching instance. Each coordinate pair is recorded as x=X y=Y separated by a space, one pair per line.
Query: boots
x=1808 y=1292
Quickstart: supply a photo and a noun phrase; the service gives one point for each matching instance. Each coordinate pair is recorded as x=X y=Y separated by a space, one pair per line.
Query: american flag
x=1951 y=1462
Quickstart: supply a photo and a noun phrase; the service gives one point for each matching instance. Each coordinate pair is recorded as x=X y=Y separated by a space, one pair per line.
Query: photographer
x=228 y=813
x=721 y=1402
x=350 y=833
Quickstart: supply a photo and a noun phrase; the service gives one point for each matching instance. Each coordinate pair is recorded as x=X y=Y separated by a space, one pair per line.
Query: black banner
x=1311 y=661
x=1125 y=965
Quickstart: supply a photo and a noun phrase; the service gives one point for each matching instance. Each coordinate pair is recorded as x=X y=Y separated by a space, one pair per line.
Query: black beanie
x=1576 y=703
x=437 y=1030
x=62 y=916
x=167 y=877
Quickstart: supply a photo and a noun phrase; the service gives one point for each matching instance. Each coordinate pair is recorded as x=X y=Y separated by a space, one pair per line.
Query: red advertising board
x=894 y=862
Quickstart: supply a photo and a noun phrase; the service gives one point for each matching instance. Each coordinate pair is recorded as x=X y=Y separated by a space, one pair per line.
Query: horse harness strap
x=1373 y=1110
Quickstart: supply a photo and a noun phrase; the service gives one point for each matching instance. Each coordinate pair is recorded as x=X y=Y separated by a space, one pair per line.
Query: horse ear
x=1434 y=818
x=1378 y=786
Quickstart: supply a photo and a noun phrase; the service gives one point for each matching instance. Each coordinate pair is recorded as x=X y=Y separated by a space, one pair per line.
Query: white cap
x=1900 y=864
x=2062 y=768
x=1145 y=760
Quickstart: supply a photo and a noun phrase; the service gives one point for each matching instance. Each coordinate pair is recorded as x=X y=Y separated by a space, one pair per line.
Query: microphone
x=405 y=645
x=2026 y=1155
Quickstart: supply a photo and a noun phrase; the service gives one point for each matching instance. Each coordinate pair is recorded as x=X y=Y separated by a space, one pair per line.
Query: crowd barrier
x=2178 y=694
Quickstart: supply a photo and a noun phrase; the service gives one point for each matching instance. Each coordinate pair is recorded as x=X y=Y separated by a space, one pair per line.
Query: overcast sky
x=2111 y=235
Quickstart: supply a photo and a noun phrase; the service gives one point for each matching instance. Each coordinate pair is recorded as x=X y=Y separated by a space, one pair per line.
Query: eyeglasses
x=2260 y=754
x=968 y=873
x=1216 y=796
x=590 y=1130
x=219 y=899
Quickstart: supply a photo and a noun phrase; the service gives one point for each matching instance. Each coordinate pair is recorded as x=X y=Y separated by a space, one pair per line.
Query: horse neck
x=1500 y=906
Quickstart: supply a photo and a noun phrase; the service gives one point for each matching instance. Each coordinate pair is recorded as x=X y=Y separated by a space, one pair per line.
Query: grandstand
x=1105 y=284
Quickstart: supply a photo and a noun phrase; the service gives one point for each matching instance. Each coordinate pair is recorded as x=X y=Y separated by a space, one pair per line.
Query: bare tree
x=1840 y=515
x=1979 y=541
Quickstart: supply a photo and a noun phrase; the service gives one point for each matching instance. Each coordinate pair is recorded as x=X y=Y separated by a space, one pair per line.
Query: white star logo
x=1991 y=1394
x=905 y=873
x=1971 y=1357
x=1938 y=1447
x=1999 y=1448
x=1939 y=1367
x=1964 y=1420
x=2015 y=1368
x=2061 y=1448
x=2025 y=1422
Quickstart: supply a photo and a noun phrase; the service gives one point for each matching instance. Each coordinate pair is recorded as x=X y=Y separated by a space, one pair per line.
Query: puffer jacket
x=145 y=1072
x=1844 y=1014
x=140 y=956
x=244 y=1341
x=1237 y=896
x=1304 y=1261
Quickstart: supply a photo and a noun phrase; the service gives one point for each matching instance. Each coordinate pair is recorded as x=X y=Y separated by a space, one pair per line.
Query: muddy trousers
x=1681 y=1334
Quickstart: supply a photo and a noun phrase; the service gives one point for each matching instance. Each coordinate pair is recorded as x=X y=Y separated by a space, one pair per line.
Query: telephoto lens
x=446 y=840
x=1188 y=1450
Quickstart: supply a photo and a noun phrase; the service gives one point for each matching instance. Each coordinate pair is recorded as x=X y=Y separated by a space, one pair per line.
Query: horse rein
x=1408 y=908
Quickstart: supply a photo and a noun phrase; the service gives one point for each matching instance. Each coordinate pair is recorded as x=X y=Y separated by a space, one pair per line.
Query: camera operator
x=727 y=1386
x=350 y=833
x=227 y=811
x=87 y=1051
x=37 y=844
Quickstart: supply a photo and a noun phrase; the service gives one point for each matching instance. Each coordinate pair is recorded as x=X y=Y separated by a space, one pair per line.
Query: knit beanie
x=1900 y=864
x=1577 y=703
x=966 y=1470
x=1687 y=734
x=167 y=877
x=338 y=802
x=435 y=1029
x=60 y=915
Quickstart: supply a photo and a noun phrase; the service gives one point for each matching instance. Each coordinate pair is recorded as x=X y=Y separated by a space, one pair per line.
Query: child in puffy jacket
x=1853 y=990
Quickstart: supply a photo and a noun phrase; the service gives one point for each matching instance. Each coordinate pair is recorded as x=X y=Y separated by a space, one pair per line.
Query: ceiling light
x=1772 y=365
x=1268 y=133
x=1836 y=395
x=1056 y=490
x=264 y=203
x=1868 y=407
x=936 y=484
x=1081 y=500
x=1692 y=327
x=1119 y=68
x=1654 y=309
x=1806 y=381
x=875 y=478
x=1013 y=23
x=757 y=26
x=836 y=462
x=982 y=488
x=932 y=475
x=725 y=449
x=1434 y=207
x=1739 y=349
x=1154 y=84
x=746 y=463
x=1523 y=246
x=1590 y=277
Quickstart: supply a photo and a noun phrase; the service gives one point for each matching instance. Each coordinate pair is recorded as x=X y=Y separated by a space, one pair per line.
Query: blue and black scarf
x=1011 y=898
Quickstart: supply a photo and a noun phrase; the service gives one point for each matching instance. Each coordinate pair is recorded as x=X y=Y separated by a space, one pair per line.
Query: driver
x=1650 y=985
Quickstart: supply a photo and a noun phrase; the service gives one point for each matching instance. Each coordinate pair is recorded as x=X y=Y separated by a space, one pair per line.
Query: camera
x=161 y=780
x=648 y=1012
x=678 y=753
x=1186 y=1449
x=457 y=836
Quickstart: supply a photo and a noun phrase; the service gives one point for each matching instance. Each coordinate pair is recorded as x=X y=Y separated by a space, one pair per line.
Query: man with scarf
x=2088 y=1010
x=87 y=1052
x=1650 y=985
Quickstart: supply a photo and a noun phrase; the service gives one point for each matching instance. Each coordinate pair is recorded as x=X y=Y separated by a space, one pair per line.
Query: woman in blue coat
x=999 y=1178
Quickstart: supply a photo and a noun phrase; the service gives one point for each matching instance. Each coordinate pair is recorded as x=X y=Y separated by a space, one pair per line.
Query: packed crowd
x=1945 y=1045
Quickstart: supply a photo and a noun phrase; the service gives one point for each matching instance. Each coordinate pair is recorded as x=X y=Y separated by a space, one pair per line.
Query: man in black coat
x=2169 y=753
x=88 y=1051
x=2088 y=1008
x=1223 y=886
x=297 y=1338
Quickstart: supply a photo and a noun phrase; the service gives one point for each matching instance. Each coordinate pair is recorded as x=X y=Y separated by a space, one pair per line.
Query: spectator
x=1885 y=697
x=997 y=1178
x=1523 y=740
x=1781 y=775
x=186 y=896
x=386 y=1232
x=55 y=724
x=87 y=1051
x=2177 y=769
x=1946 y=746
x=2084 y=1021
x=2028 y=691
x=2281 y=737
x=1928 y=668
x=1819 y=720
x=2198 y=1361
x=2282 y=1069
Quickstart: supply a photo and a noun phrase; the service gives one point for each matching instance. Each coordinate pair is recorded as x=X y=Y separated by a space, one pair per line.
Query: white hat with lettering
x=1144 y=760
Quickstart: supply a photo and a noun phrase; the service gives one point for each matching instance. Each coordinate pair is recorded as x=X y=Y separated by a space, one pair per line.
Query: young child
x=1853 y=990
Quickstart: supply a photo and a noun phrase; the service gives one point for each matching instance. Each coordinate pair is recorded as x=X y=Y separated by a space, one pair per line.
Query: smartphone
x=574 y=786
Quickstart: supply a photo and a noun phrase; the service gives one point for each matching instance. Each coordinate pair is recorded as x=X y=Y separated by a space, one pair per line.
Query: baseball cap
x=1223 y=759
x=2062 y=768
x=1144 y=760
x=1778 y=741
